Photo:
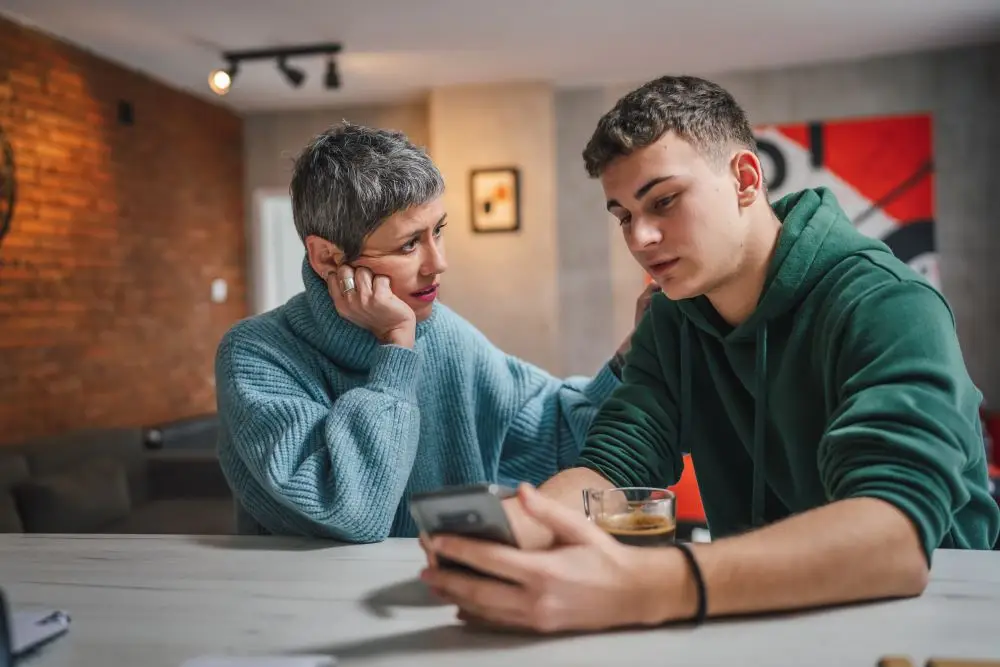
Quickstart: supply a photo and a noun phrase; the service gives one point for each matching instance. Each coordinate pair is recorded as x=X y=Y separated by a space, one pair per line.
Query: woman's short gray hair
x=349 y=179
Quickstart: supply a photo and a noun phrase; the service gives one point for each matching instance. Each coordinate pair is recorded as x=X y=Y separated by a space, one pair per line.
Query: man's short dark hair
x=698 y=111
x=349 y=179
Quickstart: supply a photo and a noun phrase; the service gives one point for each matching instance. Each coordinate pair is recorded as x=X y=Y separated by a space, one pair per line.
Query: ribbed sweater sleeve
x=551 y=422
x=335 y=469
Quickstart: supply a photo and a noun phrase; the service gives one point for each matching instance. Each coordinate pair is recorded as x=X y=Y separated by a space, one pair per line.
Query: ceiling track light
x=294 y=76
x=221 y=80
x=332 y=78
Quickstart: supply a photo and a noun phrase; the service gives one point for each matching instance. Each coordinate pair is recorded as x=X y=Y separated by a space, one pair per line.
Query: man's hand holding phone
x=367 y=301
x=528 y=534
x=474 y=511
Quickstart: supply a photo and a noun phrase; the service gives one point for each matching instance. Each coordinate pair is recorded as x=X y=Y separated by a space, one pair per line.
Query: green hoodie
x=847 y=380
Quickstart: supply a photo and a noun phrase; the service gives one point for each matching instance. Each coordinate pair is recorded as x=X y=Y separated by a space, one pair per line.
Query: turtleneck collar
x=314 y=318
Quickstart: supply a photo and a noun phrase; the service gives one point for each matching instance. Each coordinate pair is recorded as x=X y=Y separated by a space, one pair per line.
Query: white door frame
x=262 y=267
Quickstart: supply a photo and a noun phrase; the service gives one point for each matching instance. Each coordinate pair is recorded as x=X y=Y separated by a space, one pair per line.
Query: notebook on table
x=22 y=632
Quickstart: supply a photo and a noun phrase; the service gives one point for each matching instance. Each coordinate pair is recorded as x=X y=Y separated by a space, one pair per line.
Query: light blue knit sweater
x=326 y=433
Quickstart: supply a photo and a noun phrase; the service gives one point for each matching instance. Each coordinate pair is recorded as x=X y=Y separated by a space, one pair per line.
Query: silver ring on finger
x=347 y=285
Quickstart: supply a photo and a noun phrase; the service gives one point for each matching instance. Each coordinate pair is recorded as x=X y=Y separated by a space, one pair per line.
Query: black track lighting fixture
x=295 y=76
x=220 y=80
x=332 y=79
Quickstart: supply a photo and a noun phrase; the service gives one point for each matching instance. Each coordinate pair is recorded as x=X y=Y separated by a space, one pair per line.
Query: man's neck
x=736 y=299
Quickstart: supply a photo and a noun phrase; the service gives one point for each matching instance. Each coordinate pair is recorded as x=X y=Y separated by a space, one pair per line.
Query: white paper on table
x=31 y=629
x=262 y=661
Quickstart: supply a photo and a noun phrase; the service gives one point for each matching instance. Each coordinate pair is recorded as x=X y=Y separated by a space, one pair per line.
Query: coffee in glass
x=636 y=516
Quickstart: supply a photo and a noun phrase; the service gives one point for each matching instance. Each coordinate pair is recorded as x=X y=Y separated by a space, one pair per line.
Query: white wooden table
x=154 y=601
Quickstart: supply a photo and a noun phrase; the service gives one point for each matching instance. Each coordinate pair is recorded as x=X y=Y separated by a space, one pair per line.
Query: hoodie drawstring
x=685 y=386
x=759 y=429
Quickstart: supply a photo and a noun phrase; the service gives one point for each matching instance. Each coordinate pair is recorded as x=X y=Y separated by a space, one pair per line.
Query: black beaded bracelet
x=699 y=582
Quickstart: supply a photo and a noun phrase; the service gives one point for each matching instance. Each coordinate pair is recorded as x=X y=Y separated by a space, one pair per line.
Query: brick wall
x=117 y=233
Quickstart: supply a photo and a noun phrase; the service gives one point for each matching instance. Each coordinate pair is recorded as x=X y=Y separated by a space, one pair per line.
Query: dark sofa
x=115 y=481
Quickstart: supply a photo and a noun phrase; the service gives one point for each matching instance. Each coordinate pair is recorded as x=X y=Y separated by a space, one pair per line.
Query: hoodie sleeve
x=905 y=428
x=634 y=438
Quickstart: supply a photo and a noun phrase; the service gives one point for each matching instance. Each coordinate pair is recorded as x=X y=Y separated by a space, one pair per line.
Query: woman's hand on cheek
x=367 y=301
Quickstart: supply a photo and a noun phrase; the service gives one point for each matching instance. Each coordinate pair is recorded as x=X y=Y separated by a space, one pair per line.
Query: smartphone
x=473 y=510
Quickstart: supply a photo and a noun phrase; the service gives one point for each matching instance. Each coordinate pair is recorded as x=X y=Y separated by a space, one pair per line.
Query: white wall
x=504 y=283
x=598 y=279
x=273 y=140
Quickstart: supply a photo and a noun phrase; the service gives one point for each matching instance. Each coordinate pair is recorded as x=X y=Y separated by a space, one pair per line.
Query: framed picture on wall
x=495 y=195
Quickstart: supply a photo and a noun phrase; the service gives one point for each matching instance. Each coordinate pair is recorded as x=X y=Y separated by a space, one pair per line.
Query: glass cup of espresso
x=636 y=516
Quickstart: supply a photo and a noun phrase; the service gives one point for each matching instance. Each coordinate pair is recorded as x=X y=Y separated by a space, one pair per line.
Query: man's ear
x=749 y=175
x=324 y=256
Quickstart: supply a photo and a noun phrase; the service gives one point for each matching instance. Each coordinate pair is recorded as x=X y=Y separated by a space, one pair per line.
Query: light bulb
x=220 y=81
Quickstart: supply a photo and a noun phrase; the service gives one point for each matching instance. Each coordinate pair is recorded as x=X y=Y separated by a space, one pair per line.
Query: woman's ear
x=324 y=256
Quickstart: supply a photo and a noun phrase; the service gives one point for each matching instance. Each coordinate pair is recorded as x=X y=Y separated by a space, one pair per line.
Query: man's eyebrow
x=642 y=191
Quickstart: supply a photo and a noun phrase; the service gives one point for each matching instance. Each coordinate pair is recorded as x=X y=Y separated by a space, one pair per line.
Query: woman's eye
x=439 y=229
x=409 y=247
x=624 y=221
x=663 y=202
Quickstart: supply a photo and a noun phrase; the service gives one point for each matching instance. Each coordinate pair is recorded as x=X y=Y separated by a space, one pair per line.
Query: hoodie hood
x=815 y=236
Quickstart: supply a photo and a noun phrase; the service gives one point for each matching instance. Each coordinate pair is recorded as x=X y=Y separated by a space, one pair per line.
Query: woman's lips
x=428 y=294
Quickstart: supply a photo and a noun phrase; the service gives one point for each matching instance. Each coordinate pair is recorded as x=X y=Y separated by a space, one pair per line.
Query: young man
x=815 y=379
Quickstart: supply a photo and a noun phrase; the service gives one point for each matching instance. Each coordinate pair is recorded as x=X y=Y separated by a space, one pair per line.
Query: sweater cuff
x=395 y=371
x=602 y=385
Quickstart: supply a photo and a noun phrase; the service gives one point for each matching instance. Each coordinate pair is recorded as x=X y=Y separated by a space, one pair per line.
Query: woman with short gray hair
x=362 y=390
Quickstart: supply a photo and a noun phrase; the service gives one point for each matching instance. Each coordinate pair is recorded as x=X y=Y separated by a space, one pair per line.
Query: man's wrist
x=666 y=585
x=626 y=345
x=617 y=364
